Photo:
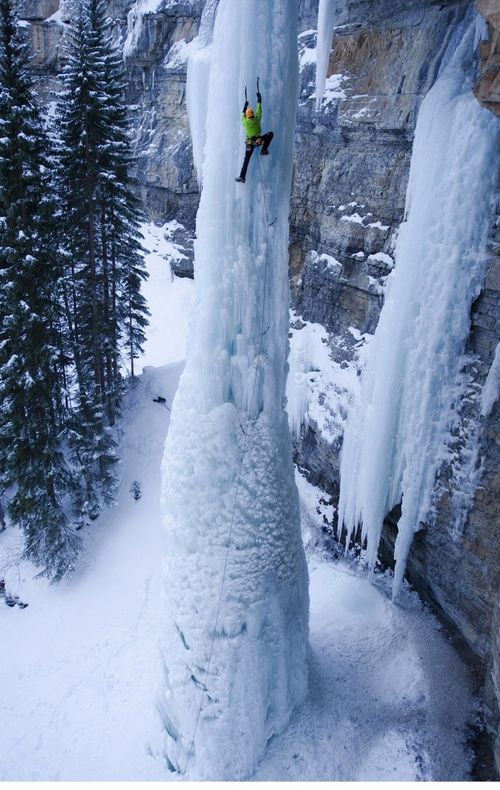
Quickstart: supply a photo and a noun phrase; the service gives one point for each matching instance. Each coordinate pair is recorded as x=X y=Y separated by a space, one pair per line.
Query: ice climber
x=254 y=137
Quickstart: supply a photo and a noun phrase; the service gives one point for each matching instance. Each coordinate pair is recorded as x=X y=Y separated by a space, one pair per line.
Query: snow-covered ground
x=79 y=670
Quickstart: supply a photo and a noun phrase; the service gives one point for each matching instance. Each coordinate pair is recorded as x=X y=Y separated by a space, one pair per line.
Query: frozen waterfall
x=235 y=652
x=395 y=438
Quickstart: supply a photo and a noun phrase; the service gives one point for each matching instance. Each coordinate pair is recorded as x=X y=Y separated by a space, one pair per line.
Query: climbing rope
x=238 y=480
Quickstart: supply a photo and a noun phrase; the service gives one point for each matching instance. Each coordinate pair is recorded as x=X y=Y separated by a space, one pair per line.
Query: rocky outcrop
x=494 y=692
x=484 y=520
x=156 y=48
x=487 y=89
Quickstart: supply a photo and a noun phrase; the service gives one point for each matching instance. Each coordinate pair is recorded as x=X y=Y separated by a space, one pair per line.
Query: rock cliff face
x=156 y=48
x=487 y=90
x=351 y=172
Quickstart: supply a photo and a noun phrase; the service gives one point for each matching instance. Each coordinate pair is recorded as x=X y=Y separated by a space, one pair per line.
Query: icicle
x=135 y=17
x=481 y=31
x=491 y=389
x=394 y=441
x=326 y=22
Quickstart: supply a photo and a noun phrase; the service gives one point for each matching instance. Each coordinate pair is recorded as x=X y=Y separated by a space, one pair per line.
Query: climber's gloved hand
x=259 y=98
x=245 y=106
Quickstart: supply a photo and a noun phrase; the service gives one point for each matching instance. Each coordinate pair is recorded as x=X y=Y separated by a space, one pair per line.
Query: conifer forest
x=72 y=315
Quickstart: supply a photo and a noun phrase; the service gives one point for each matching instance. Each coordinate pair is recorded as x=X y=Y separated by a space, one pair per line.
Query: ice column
x=198 y=73
x=395 y=438
x=229 y=499
x=326 y=21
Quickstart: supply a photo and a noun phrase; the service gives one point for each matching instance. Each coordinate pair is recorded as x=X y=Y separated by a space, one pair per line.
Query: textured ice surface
x=229 y=498
x=393 y=444
x=198 y=73
x=318 y=388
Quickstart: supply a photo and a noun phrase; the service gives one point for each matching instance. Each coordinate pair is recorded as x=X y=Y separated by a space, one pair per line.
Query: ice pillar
x=229 y=499
x=198 y=75
x=326 y=22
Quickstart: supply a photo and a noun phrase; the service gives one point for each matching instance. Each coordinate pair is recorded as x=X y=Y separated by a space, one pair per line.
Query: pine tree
x=81 y=135
x=31 y=391
x=120 y=214
x=104 y=268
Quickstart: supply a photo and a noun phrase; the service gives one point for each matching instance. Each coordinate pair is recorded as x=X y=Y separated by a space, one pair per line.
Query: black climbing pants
x=264 y=140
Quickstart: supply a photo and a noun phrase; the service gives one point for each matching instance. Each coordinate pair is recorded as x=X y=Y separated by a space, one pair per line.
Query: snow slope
x=79 y=667
x=388 y=699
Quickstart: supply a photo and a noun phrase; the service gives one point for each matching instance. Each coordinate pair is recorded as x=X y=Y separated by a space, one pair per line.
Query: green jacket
x=252 y=125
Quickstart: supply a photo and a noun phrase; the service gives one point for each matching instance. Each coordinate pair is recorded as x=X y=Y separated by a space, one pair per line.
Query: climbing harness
x=263 y=332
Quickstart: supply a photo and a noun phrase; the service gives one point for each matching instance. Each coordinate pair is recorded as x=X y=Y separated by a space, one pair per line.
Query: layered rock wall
x=487 y=89
x=156 y=49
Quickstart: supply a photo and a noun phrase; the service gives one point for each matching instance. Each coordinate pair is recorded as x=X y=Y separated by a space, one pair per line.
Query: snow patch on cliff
x=383 y=258
x=134 y=23
x=178 y=54
x=319 y=389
